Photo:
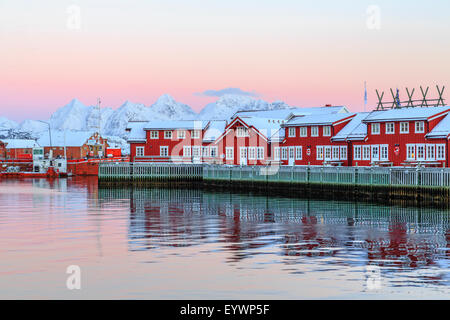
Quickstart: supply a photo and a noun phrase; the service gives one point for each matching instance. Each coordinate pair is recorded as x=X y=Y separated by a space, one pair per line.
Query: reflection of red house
x=18 y=148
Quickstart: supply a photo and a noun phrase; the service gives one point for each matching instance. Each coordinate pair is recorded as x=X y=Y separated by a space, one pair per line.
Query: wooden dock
x=394 y=183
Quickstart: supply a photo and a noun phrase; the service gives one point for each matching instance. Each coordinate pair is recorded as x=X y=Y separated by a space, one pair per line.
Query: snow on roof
x=442 y=129
x=137 y=132
x=20 y=143
x=278 y=136
x=176 y=124
x=67 y=138
x=322 y=119
x=267 y=127
x=415 y=113
x=286 y=113
x=215 y=129
x=354 y=130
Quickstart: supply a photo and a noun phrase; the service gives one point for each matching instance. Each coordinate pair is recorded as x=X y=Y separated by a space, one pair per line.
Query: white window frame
x=433 y=148
x=276 y=153
x=319 y=153
x=375 y=128
x=229 y=153
x=384 y=147
x=438 y=156
x=140 y=150
x=357 y=152
x=168 y=134
x=420 y=146
x=404 y=130
x=187 y=151
x=251 y=153
x=365 y=153
x=303 y=132
x=421 y=125
x=408 y=153
x=195 y=134
x=213 y=152
x=389 y=126
x=242 y=132
x=154 y=134
x=372 y=148
x=327 y=131
x=163 y=154
x=205 y=151
x=291 y=132
x=343 y=153
x=298 y=153
x=196 y=152
x=335 y=154
x=284 y=153
x=181 y=134
x=260 y=153
x=314 y=131
x=327 y=149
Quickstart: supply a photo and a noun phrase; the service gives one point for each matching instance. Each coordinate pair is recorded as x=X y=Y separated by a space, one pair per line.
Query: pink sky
x=295 y=52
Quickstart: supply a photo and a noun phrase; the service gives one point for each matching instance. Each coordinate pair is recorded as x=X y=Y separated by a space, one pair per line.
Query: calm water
x=191 y=244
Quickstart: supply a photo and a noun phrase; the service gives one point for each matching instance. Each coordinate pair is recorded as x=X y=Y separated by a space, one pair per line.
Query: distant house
x=74 y=144
x=18 y=148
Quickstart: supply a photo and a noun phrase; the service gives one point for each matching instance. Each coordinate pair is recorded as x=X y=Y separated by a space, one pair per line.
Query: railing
x=357 y=176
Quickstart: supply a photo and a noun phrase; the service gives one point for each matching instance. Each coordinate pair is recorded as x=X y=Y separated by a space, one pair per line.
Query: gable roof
x=441 y=130
x=137 y=132
x=176 y=124
x=289 y=112
x=215 y=130
x=325 y=119
x=406 y=114
x=20 y=143
x=354 y=130
x=67 y=138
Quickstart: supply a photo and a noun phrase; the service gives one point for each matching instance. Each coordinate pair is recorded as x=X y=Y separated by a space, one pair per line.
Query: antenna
x=95 y=123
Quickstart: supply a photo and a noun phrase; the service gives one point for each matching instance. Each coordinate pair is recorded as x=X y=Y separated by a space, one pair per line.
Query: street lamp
x=49 y=132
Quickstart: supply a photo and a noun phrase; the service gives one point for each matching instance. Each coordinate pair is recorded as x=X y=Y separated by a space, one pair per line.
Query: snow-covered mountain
x=77 y=116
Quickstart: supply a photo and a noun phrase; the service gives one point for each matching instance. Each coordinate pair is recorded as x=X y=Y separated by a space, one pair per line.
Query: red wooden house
x=403 y=137
x=308 y=140
x=19 y=148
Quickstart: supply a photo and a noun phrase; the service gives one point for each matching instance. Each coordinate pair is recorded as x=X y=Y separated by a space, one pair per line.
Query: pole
x=365 y=96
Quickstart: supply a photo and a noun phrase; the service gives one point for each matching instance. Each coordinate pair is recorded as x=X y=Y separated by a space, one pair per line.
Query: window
x=167 y=134
x=327 y=152
x=343 y=152
x=390 y=128
x=205 y=151
x=357 y=153
x=375 y=153
x=229 y=153
x=252 y=153
x=335 y=153
x=420 y=127
x=431 y=154
x=440 y=152
x=420 y=150
x=154 y=135
x=196 y=151
x=319 y=153
x=366 y=153
x=384 y=152
x=195 y=134
x=303 y=132
x=242 y=132
x=291 y=153
x=375 y=128
x=327 y=131
x=404 y=127
x=298 y=153
x=139 y=151
x=260 y=153
x=164 y=151
x=314 y=131
x=291 y=132
x=276 y=155
x=186 y=151
x=284 y=153
x=181 y=134
x=213 y=152
x=410 y=152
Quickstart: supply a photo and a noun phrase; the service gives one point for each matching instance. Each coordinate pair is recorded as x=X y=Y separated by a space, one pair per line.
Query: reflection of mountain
x=291 y=229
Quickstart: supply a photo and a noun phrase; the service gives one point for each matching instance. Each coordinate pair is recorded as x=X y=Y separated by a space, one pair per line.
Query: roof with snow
x=20 y=143
x=137 y=132
x=215 y=129
x=354 y=130
x=176 y=124
x=267 y=127
x=67 y=138
x=323 y=119
x=288 y=112
x=409 y=114
x=442 y=129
